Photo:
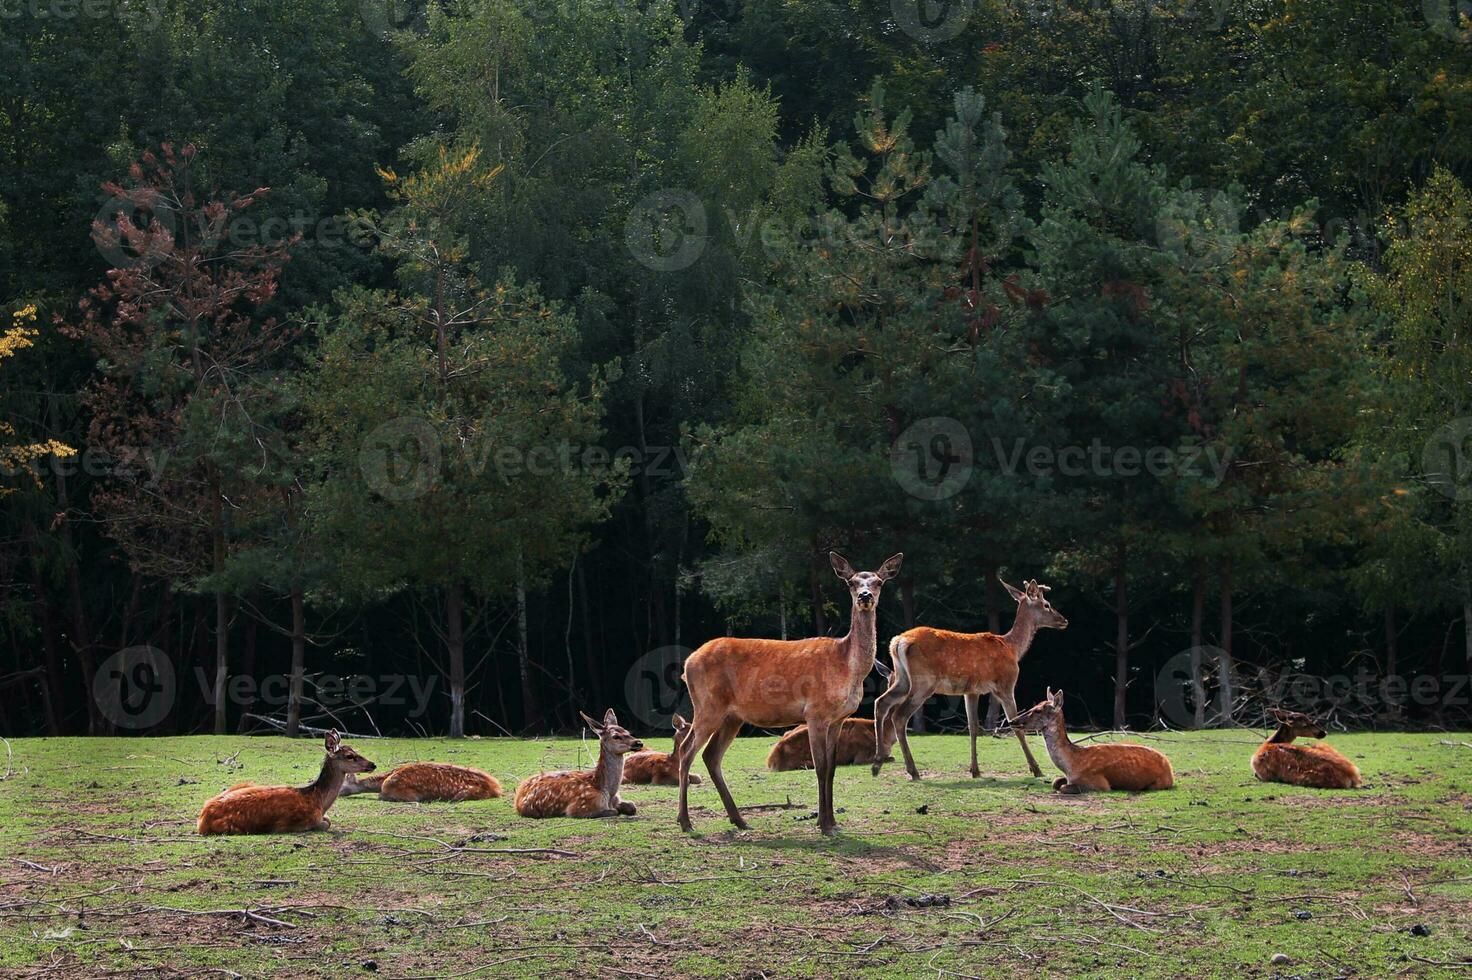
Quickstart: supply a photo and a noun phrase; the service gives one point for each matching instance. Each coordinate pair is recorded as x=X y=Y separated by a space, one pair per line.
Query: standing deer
x=1094 y=768
x=1279 y=761
x=931 y=661
x=246 y=808
x=588 y=793
x=856 y=744
x=776 y=683
x=426 y=782
x=657 y=768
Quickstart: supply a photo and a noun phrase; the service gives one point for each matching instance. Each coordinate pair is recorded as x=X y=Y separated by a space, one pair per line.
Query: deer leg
x=901 y=726
x=973 y=727
x=699 y=733
x=824 y=741
x=714 y=751
x=1009 y=701
x=885 y=707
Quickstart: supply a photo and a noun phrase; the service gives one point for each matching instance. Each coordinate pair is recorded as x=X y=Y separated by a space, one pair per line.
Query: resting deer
x=246 y=808
x=930 y=661
x=1278 y=760
x=426 y=782
x=1094 y=768
x=776 y=683
x=587 y=793
x=855 y=747
x=657 y=768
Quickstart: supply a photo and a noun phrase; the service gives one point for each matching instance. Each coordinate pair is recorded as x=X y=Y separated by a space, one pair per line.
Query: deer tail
x=899 y=684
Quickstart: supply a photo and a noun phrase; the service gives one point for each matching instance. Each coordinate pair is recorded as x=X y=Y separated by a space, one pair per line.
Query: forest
x=452 y=367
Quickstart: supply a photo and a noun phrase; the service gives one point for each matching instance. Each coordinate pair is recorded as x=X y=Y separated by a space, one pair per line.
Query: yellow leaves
x=387 y=175
x=18 y=337
x=16 y=458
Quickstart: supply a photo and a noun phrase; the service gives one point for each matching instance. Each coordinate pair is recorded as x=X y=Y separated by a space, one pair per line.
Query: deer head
x=1299 y=725
x=864 y=587
x=1031 y=602
x=1041 y=716
x=613 y=736
x=343 y=758
x=681 y=727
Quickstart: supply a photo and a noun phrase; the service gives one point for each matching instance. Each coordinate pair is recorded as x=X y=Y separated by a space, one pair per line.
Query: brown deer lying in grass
x=1095 y=768
x=1279 y=761
x=426 y=782
x=590 y=792
x=772 y=683
x=930 y=661
x=855 y=747
x=657 y=768
x=249 y=809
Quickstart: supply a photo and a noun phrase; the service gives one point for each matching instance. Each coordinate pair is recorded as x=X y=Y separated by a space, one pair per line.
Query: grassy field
x=998 y=876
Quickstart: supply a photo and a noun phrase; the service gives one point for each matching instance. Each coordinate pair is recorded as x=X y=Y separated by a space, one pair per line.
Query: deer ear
x=609 y=718
x=891 y=568
x=680 y=723
x=1018 y=596
x=841 y=567
x=332 y=741
x=591 y=723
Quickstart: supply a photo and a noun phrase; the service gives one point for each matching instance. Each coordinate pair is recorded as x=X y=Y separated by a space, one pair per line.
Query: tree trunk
x=222 y=658
x=1121 y=641
x=1392 y=655
x=51 y=652
x=81 y=637
x=590 y=665
x=248 y=662
x=1225 y=693
x=455 y=645
x=1467 y=629
x=907 y=603
x=1198 y=621
x=782 y=610
x=531 y=714
x=815 y=591
x=298 y=662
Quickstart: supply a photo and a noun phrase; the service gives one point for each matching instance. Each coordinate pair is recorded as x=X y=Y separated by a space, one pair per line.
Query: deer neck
x=858 y=647
x=1282 y=736
x=329 y=782
x=609 y=772
x=1024 y=628
x=1060 y=749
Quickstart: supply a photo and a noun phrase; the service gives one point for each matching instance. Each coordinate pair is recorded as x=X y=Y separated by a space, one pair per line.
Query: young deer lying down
x=856 y=746
x=588 y=793
x=426 y=782
x=249 y=809
x=1279 y=761
x=657 y=768
x=1113 y=765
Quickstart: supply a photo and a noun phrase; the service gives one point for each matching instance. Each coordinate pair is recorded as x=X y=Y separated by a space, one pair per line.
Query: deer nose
x=638 y=745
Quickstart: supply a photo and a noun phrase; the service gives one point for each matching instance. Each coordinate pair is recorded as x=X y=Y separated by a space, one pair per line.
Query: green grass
x=1210 y=879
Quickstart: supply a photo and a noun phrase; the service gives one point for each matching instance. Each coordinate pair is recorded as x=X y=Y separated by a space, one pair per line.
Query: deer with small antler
x=1280 y=760
x=776 y=683
x=930 y=661
x=246 y=808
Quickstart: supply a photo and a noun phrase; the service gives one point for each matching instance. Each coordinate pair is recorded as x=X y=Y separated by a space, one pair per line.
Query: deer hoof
x=874 y=769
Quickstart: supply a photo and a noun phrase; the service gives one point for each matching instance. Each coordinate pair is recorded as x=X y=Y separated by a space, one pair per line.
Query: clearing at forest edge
x=996 y=876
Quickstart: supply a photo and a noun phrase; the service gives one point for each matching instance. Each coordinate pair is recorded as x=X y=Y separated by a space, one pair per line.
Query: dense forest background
x=455 y=366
